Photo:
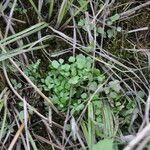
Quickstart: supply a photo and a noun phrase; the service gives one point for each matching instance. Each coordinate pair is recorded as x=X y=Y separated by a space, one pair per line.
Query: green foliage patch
x=71 y=83
x=110 y=31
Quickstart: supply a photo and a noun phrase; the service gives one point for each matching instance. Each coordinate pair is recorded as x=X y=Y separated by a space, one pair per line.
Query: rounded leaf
x=55 y=64
x=71 y=59
x=74 y=80
x=84 y=96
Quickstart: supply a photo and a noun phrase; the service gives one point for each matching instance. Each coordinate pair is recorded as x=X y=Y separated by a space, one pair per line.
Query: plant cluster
x=110 y=32
x=71 y=84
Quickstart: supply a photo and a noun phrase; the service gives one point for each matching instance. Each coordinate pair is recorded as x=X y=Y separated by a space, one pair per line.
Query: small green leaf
x=107 y=90
x=119 y=29
x=109 y=23
x=65 y=67
x=2 y=7
x=110 y=33
x=79 y=107
x=101 y=31
x=73 y=71
x=148 y=147
x=19 y=85
x=81 y=22
x=115 y=17
x=141 y=94
x=101 y=78
x=93 y=86
x=84 y=96
x=55 y=64
x=74 y=80
x=117 y=103
x=61 y=61
x=72 y=59
x=81 y=61
x=21 y=115
x=105 y=144
x=83 y=3
x=50 y=86
x=113 y=94
x=115 y=85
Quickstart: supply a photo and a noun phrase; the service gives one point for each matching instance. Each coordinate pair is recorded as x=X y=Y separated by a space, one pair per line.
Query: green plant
x=83 y=3
x=96 y=103
x=110 y=32
x=104 y=144
x=16 y=84
x=33 y=72
x=71 y=82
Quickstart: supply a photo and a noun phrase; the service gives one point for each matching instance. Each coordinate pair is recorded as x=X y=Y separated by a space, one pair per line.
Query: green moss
x=115 y=48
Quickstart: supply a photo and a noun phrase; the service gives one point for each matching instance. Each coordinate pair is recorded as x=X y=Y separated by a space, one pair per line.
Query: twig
x=133 y=10
x=137 y=30
x=46 y=141
x=144 y=143
x=147 y=109
x=138 y=138
x=16 y=136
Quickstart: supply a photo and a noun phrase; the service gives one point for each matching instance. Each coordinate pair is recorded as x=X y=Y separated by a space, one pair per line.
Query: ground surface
x=74 y=74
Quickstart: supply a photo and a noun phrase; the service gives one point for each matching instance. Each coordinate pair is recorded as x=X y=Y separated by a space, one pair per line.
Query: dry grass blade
x=52 y=133
x=26 y=116
x=75 y=133
x=16 y=136
x=46 y=141
x=4 y=95
x=140 y=136
x=9 y=19
x=133 y=10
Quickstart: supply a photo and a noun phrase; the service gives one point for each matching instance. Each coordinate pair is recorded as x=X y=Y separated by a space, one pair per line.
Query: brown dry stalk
x=16 y=136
